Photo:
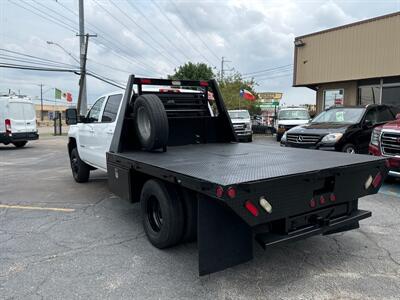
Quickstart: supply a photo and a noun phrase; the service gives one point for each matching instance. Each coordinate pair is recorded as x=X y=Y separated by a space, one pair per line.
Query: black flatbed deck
x=234 y=163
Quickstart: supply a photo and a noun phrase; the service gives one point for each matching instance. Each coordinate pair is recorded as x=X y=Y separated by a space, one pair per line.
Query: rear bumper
x=18 y=137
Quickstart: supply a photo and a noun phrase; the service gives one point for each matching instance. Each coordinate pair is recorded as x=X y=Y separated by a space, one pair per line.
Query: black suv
x=346 y=129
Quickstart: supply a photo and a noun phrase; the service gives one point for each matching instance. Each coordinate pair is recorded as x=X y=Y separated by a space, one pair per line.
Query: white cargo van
x=17 y=120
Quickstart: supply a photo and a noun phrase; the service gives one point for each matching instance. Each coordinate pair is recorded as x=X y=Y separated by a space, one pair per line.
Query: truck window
x=94 y=112
x=111 y=108
x=384 y=114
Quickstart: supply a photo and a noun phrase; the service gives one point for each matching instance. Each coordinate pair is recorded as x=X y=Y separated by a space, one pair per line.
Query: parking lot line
x=37 y=208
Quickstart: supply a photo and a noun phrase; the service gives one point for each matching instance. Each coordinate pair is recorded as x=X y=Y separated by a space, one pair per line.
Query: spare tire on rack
x=151 y=122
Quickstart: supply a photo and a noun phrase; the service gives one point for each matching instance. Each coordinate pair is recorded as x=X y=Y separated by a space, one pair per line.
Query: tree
x=230 y=88
x=191 y=71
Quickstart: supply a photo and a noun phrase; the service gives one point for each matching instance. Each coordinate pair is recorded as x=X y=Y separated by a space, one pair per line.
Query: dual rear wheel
x=169 y=215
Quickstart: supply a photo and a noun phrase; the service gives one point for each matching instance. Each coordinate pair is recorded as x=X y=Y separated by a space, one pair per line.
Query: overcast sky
x=152 y=38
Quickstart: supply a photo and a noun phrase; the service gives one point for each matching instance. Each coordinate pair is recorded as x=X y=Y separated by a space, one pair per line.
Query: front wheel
x=349 y=148
x=162 y=213
x=20 y=144
x=80 y=170
x=278 y=137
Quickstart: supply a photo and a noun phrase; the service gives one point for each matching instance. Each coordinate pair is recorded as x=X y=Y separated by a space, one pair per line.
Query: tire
x=190 y=210
x=151 y=122
x=278 y=137
x=349 y=148
x=250 y=139
x=20 y=144
x=80 y=170
x=162 y=214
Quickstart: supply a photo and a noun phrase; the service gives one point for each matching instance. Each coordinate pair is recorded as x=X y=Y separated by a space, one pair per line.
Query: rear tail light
x=219 y=191
x=377 y=180
x=322 y=200
x=8 y=125
x=251 y=208
x=203 y=83
x=231 y=192
x=145 y=81
x=332 y=197
x=313 y=203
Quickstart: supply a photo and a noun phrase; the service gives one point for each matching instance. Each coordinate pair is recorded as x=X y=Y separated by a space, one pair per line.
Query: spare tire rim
x=143 y=123
x=154 y=214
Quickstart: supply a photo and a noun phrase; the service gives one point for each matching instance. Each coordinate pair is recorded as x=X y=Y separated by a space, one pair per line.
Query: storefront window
x=391 y=95
x=333 y=97
x=369 y=94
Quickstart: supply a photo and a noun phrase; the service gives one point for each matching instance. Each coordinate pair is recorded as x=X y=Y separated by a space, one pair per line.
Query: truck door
x=87 y=132
x=106 y=131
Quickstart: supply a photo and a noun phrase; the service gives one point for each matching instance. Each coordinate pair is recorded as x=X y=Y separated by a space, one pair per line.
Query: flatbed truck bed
x=198 y=179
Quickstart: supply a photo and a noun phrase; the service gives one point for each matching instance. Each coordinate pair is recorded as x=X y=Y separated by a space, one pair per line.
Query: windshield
x=293 y=114
x=239 y=114
x=340 y=115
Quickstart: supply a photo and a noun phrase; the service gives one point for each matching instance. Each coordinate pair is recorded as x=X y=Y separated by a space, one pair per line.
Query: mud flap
x=224 y=240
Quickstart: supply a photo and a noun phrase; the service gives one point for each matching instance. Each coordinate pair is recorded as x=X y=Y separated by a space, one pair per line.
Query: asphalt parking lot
x=62 y=240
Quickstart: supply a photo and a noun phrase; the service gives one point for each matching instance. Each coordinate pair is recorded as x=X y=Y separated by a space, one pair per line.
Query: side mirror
x=71 y=116
x=398 y=116
x=368 y=123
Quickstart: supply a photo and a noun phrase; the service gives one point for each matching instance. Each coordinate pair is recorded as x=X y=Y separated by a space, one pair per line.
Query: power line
x=120 y=48
x=22 y=59
x=127 y=28
x=183 y=36
x=191 y=28
x=157 y=29
x=273 y=77
x=144 y=30
x=267 y=70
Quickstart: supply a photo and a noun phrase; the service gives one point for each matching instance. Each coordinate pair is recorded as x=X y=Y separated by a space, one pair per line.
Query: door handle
x=110 y=132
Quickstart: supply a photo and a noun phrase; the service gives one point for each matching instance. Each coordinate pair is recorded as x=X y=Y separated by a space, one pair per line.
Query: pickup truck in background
x=385 y=142
x=241 y=124
x=182 y=163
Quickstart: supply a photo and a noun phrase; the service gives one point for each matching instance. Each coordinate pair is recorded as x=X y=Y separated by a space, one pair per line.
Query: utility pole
x=41 y=101
x=83 y=46
x=82 y=100
x=223 y=61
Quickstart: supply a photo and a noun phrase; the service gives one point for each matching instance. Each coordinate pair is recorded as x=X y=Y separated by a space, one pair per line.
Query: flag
x=57 y=93
x=247 y=95
x=68 y=96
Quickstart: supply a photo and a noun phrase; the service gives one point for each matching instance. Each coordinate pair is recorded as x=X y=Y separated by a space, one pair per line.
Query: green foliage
x=191 y=71
x=230 y=88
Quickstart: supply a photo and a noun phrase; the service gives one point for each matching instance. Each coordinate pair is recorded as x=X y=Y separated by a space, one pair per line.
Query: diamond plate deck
x=235 y=163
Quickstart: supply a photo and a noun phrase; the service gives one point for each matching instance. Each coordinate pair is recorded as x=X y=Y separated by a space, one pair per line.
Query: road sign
x=268 y=105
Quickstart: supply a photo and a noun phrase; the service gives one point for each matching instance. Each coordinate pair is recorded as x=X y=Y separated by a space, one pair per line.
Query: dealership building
x=354 y=64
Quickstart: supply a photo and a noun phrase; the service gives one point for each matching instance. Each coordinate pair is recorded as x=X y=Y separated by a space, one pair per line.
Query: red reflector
x=377 y=180
x=203 y=83
x=332 y=197
x=145 y=81
x=219 y=191
x=313 y=203
x=231 y=192
x=321 y=200
x=251 y=208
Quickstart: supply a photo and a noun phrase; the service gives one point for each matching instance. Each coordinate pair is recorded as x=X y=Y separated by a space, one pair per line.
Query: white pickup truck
x=91 y=137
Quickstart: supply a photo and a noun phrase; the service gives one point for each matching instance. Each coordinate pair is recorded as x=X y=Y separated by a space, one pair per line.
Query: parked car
x=17 y=120
x=346 y=129
x=242 y=124
x=385 y=141
x=290 y=117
